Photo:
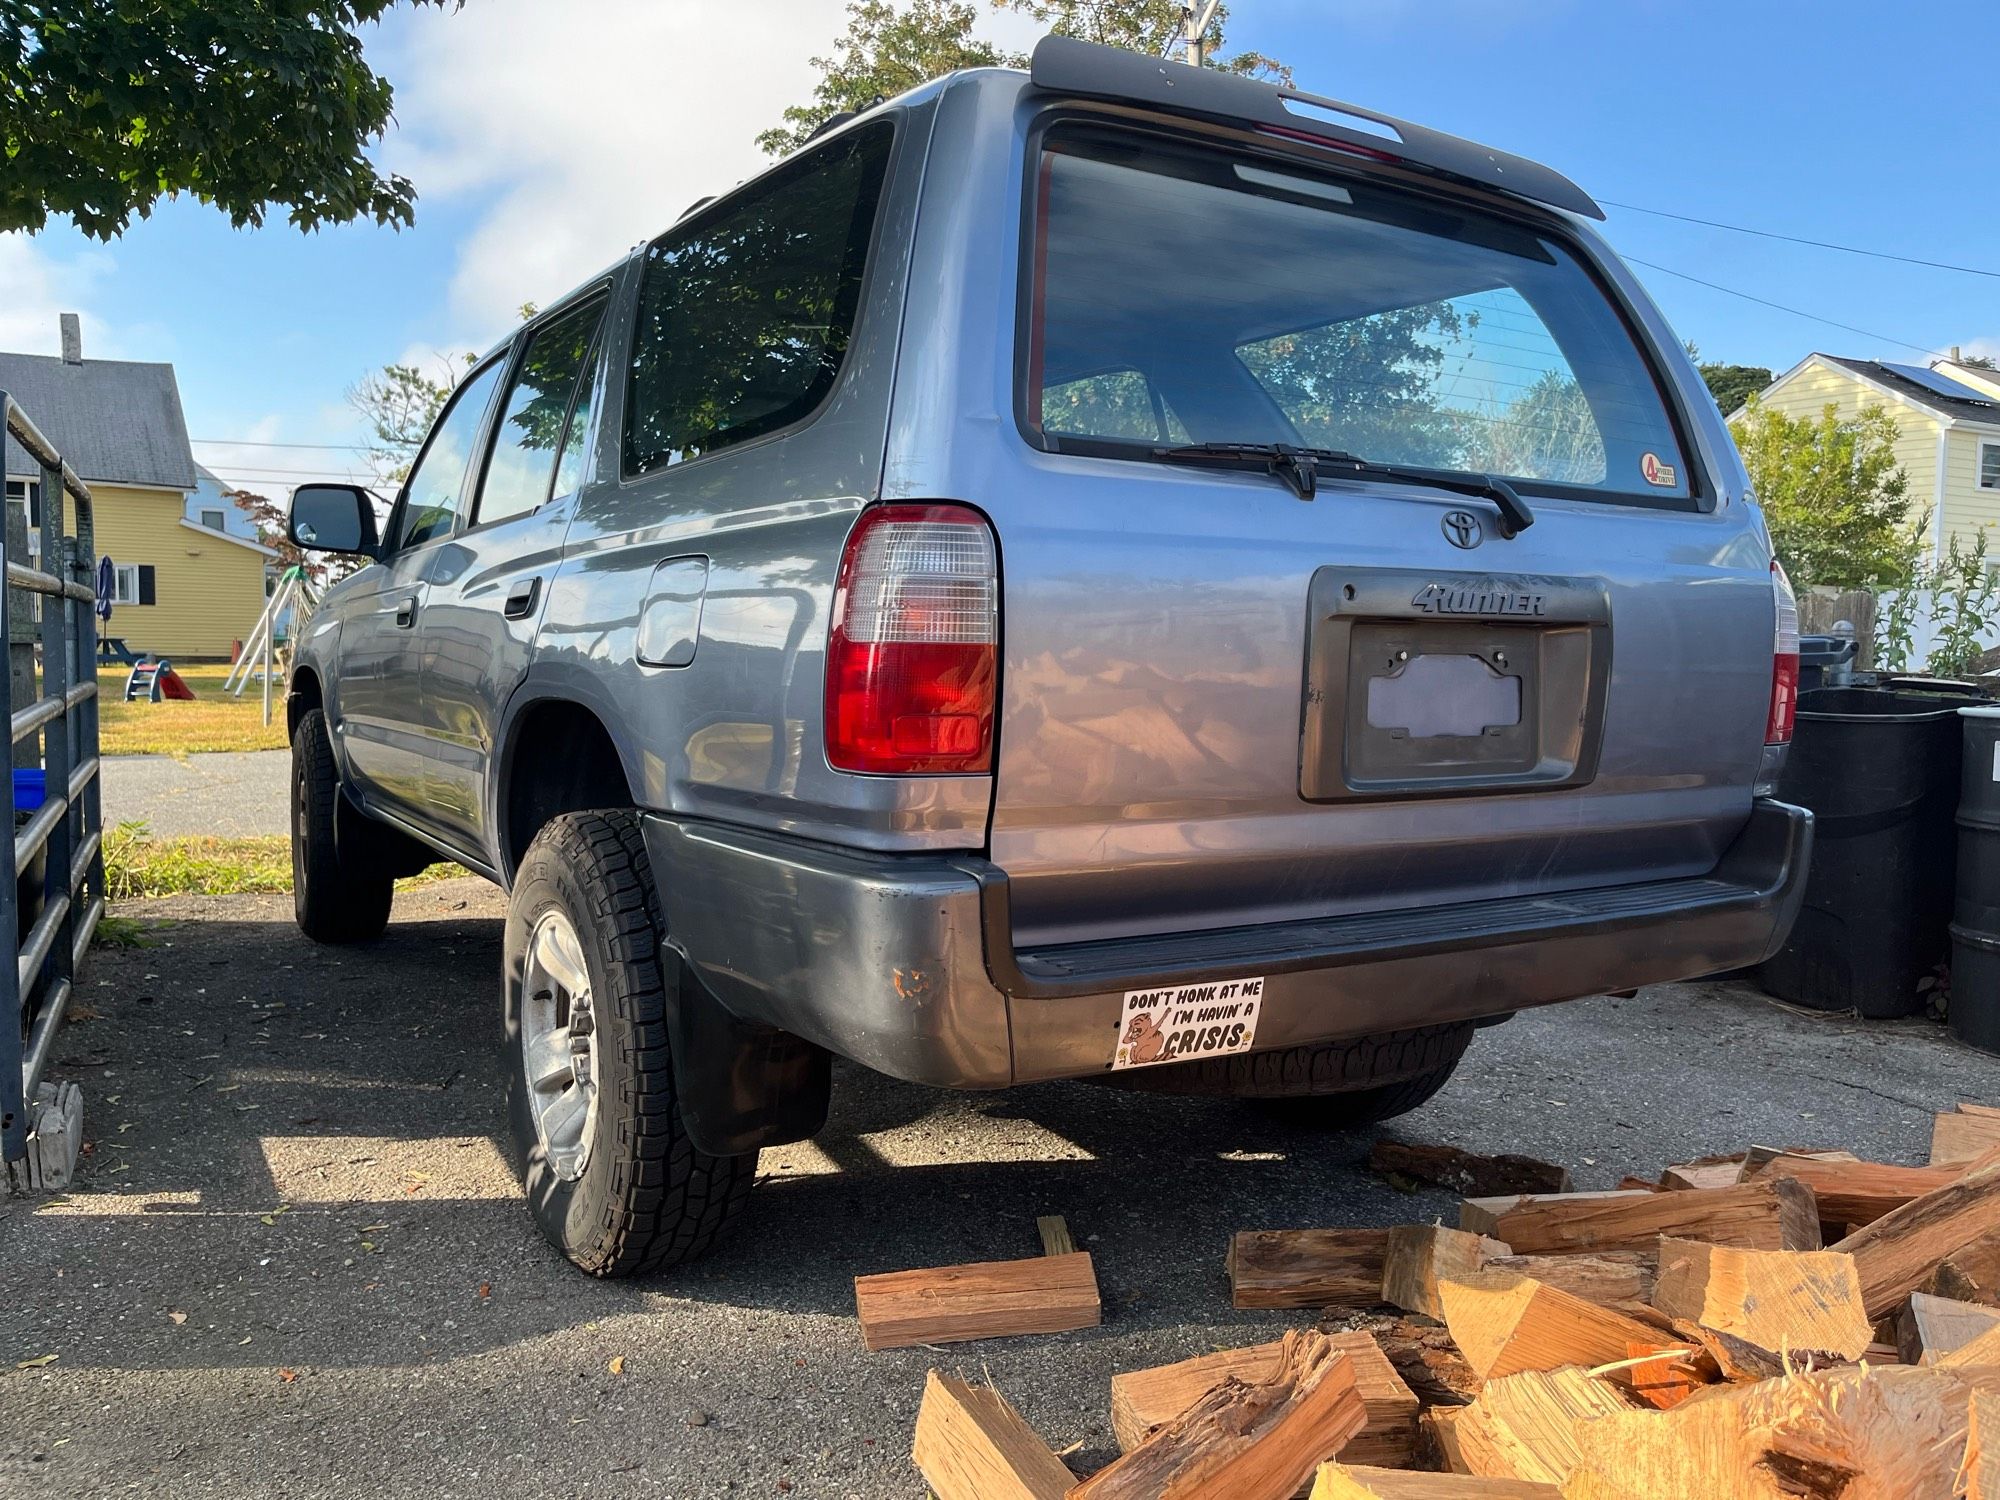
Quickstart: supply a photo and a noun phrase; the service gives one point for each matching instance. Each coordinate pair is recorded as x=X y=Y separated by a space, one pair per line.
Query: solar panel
x=1930 y=380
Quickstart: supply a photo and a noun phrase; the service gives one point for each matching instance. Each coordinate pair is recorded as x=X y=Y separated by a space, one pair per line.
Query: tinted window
x=745 y=315
x=533 y=422
x=1332 y=313
x=432 y=492
x=569 y=466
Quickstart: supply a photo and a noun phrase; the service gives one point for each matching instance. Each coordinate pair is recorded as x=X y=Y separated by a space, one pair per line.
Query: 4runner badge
x=1458 y=599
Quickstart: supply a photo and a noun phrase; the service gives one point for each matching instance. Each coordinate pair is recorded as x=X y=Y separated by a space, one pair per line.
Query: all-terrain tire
x=341 y=891
x=645 y=1198
x=1334 y=1084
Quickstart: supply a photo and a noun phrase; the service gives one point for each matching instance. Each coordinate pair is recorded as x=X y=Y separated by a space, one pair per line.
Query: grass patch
x=137 y=866
x=214 y=721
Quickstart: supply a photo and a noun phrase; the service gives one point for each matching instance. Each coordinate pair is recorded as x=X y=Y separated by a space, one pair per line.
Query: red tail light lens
x=1784 y=660
x=912 y=660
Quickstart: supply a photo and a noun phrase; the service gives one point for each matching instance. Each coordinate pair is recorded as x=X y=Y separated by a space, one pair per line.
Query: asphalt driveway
x=230 y=793
x=297 y=1264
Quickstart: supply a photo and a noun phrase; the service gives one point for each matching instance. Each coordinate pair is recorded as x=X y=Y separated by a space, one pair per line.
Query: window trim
x=395 y=521
x=893 y=120
x=118 y=572
x=598 y=289
x=1979 y=465
x=1703 y=492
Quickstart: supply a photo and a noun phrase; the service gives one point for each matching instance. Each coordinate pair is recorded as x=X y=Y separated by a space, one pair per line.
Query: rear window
x=1186 y=295
x=745 y=313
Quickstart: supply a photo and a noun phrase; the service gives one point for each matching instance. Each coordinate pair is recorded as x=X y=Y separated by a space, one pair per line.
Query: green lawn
x=214 y=721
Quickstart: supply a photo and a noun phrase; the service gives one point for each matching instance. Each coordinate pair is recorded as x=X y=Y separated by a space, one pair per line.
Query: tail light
x=912 y=660
x=1784 y=660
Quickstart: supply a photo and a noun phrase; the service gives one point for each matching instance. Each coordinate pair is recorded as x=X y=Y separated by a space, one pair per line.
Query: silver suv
x=1119 y=573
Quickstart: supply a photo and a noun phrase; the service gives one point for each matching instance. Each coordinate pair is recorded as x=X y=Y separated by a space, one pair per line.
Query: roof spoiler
x=1063 y=65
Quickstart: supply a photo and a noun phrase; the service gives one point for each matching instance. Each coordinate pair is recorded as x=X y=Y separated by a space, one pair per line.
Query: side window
x=1117 y=404
x=531 y=429
x=431 y=494
x=744 y=316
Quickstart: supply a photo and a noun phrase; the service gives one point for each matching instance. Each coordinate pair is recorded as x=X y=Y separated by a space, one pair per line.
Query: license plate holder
x=1435 y=684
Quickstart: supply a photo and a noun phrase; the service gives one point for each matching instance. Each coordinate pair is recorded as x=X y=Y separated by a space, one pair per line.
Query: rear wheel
x=611 y=1176
x=341 y=890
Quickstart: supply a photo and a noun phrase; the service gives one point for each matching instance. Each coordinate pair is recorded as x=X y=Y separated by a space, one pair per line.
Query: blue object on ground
x=31 y=790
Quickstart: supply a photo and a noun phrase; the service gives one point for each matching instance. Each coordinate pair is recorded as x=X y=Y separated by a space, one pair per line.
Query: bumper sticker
x=1183 y=1022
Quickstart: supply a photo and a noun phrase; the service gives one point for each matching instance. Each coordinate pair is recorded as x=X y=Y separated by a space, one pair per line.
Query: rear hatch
x=1244 y=685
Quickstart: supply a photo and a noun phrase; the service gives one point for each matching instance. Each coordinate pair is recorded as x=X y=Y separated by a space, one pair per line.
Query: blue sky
x=545 y=139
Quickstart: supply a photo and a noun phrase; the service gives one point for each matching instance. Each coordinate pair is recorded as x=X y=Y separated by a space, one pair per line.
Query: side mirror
x=334 y=518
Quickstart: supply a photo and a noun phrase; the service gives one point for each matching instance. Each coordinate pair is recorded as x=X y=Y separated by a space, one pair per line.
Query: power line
x=1793 y=239
x=1797 y=312
x=252 y=443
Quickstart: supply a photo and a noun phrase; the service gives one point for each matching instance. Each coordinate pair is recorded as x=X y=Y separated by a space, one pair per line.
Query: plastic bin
x=1880 y=771
x=1975 y=916
x=31 y=790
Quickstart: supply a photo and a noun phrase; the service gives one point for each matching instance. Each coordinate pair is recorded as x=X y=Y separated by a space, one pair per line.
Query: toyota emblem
x=1462 y=529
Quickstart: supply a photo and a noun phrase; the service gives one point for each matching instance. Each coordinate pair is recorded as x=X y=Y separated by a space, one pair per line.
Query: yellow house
x=184 y=589
x=1948 y=419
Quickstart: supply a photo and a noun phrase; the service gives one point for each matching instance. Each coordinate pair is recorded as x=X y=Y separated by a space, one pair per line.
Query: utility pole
x=1196 y=29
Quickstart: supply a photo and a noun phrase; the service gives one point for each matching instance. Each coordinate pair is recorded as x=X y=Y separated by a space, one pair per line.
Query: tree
x=399 y=403
x=891 y=47
x=1832 y=493
x=269 y=518
x=242 y=104
x=1732 y=385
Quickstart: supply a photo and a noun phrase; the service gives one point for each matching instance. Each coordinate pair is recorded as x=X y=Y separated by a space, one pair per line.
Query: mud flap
x=741 y=1085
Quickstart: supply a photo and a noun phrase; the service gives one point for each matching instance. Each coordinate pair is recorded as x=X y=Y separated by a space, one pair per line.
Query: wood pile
x=1779 y=1323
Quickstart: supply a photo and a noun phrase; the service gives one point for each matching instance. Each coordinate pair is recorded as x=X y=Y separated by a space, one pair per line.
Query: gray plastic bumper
x=906 y=963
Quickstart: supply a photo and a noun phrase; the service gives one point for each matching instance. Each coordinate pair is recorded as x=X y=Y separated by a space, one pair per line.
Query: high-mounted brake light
x=1784 y=660
x=912 y=660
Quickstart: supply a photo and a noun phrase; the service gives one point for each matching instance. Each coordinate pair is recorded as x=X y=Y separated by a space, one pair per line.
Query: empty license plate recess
x=1437 y=684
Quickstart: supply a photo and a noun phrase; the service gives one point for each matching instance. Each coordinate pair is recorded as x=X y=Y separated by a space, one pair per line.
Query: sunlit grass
x=137 y=866
x=214 y=721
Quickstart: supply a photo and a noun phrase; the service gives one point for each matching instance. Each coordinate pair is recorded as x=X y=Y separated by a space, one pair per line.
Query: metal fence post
x=13 y=1094
x=58 y=677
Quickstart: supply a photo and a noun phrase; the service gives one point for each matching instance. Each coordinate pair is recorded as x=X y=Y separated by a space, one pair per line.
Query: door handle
x=406 y=611
x=521 y=598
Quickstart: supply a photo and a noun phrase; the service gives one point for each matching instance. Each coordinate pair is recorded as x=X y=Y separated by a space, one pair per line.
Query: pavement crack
x=1922 y=1109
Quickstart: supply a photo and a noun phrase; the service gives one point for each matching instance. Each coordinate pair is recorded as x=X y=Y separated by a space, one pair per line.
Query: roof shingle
x=113 y=421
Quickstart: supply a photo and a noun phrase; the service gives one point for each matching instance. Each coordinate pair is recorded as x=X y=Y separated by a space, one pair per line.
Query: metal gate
x=45 y=932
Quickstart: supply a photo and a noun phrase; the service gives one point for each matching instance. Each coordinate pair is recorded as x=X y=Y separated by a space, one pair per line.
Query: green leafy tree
x=891 y=46
x=1733 y=385
x=106 y=106
x=399 y=403
x=1832 y=493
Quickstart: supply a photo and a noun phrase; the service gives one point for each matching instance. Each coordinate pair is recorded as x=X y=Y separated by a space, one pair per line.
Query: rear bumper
x=906 y=963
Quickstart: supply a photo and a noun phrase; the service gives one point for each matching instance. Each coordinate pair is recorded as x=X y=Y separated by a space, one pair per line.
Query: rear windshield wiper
x=1299 y=468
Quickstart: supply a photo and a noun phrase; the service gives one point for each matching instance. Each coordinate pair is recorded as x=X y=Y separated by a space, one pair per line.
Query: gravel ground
x=297 y=1265
x=232 y=793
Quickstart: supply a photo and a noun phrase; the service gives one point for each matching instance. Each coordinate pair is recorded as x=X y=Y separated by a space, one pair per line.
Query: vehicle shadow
x=300 y=1150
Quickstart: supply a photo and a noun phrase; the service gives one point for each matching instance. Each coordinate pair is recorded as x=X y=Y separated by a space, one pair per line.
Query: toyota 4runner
x=1118 y=572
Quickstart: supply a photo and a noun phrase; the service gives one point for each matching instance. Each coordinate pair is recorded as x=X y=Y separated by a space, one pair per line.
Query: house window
x=213 y=520
x=128 y=591
x=1989 y=466
x=26 y=495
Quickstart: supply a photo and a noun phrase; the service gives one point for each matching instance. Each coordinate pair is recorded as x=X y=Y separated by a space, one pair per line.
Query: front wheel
x=340 y=891
x=611 y=1176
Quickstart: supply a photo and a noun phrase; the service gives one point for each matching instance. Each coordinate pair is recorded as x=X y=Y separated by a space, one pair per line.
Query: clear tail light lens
x=1784 y=660
x=912 y=661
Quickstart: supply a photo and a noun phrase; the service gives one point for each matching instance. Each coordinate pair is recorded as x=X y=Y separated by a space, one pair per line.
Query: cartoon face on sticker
x=1144 y=1041
x=1655 y=472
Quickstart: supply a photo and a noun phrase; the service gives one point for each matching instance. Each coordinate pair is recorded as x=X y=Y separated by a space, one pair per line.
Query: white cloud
x=39 y=288
x=591 y=125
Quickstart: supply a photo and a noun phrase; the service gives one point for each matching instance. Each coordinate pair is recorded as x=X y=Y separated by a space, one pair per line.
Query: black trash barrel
x=1880 y=772
x=1975 y=916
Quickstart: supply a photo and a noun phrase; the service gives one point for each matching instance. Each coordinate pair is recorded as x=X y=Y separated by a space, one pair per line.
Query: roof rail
x=1065 y=66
